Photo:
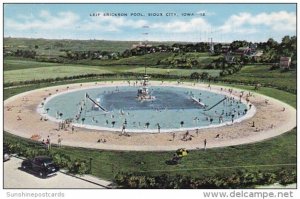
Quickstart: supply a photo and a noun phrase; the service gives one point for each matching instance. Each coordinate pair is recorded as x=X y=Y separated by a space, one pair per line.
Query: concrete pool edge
x=248 y=115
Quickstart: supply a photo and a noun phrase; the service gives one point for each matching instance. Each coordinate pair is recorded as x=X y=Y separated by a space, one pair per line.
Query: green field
x=266 y=156
x=262 y=74
x=14 y=64
x=203 y=58
x=177 y=72
x=148 y=60
x=53 y=47
x=25 y=70
x=49 y=72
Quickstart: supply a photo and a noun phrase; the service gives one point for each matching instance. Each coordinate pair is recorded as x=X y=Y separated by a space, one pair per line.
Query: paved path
x=16 y=178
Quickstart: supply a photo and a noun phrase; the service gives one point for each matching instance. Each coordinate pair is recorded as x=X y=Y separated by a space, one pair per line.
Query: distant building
x=176 y=49
x=113 y=55
x=257 y=55
x=243 y=51
x=225 y=49
x=253 y=48
x=140 y=45
x=285 y=62
x=7 y=53
x=105 y=57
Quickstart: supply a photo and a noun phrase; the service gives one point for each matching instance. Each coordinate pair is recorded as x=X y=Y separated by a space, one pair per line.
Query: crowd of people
x=232 y=109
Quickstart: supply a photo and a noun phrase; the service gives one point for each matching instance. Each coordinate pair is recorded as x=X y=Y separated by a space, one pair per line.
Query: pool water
x=172 y=108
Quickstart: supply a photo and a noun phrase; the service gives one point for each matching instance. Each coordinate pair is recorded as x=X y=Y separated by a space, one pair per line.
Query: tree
x=204 y=75
x=271 y=43
x=195 y=75
x=217 y=48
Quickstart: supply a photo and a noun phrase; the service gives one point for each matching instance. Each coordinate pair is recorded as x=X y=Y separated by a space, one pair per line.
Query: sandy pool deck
x=21 y=118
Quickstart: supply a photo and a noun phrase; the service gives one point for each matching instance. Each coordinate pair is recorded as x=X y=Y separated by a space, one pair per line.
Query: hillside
x=54 y=46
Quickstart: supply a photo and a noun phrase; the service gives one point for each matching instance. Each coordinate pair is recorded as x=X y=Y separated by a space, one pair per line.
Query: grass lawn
x=22 y=70
x=17 y=64
x=267 y=155
x=49 y=72
x=203 y=58
x=178 y=72
x=262 y=74
x=14 y=64
x=148 y=59
x=75 y=45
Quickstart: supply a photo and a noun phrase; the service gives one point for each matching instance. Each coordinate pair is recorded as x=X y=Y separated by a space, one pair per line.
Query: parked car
x=6 y=153
x=42 y=166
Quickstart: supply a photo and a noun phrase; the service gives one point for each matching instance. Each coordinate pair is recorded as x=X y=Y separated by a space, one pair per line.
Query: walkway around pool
x=271 y=118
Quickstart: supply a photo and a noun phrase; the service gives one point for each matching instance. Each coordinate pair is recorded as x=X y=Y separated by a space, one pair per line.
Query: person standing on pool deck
x=123 y=129
x=197 y=132
x=250 y=105
x=205 y=143
x=220 y=119
x=48 y=142
x=59 y=141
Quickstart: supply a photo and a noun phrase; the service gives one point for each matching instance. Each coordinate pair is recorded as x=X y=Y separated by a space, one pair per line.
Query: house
x=141 y=45
x=253 y=48
x=176 y=49
x=243 y=51
x=152 y=50
x=225 y=49
x=105 y=57
x=7 y=53
x=257 y=55
x=285 y=62
x=113 y=55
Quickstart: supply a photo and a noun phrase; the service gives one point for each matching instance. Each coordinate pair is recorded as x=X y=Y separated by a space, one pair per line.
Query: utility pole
x=145 y=32
x=211 y=45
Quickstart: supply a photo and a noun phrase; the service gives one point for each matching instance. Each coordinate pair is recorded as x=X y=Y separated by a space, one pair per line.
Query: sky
x=152 y=22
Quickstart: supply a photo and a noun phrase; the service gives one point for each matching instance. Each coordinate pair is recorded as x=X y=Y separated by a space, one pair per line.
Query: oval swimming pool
x=115 y=107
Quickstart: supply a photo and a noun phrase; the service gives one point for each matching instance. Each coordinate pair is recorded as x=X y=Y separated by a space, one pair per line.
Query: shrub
x=240 y=179
x=77 y=167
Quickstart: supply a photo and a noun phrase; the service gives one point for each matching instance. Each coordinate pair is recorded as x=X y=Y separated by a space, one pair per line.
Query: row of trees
x=274 y=50
x=78 y=55
x=24 y=53
x=176 y=48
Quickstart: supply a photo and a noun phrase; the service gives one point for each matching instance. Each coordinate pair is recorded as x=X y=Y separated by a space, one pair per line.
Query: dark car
x=6 y=153
x=43 y=166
